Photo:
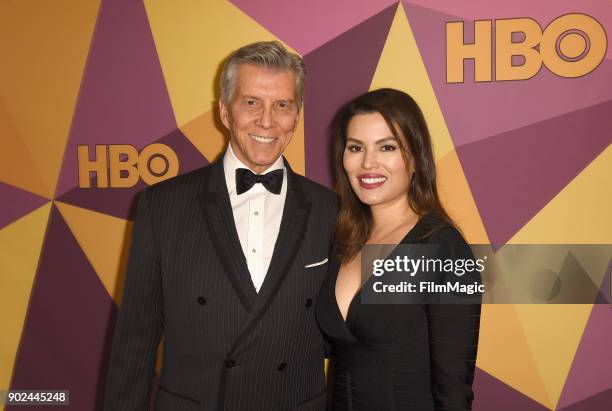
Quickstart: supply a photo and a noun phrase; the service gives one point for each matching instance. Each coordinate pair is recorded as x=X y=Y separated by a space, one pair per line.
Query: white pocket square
x=316 y=264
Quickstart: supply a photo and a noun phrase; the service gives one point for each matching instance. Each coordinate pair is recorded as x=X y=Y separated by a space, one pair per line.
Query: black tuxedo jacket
x=226 y=347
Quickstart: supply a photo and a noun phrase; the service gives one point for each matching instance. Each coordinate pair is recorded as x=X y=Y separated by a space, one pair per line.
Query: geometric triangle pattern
x=20 y=246
x=21 y=203
x=493 y=391
x=17 y=167
x=400 y=66
x=553 y=333
x=504 y=352
x=578 y=213
x=66 y=335
x=352 y=57
x=532 y=177
x=99 y=103
x=43 y=51
x=306 y=26
x=590 y=373
x=105 y=114
x=104 y=241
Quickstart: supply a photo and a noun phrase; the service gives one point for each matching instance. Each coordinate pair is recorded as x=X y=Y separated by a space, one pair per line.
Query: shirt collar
x=231 y=163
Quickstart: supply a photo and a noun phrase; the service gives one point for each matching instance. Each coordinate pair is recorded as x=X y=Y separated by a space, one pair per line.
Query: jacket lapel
x=217 y=209
x=294 y=222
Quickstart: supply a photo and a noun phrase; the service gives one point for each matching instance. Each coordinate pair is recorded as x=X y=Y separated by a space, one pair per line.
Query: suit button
x=230 y=364
x=282 y=366
x=201 y=300
x=309 y=303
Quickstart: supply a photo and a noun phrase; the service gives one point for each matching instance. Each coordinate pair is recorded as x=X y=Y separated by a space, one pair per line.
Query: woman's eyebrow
x=379 y=141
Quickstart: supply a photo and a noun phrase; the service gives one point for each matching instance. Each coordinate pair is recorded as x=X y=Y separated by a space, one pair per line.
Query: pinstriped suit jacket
x=226 y=347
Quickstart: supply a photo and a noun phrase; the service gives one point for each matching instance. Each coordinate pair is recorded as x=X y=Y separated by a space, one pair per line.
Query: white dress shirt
x=257 y=215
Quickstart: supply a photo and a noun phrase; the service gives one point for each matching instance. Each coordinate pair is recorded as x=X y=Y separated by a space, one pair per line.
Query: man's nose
x=265 y=119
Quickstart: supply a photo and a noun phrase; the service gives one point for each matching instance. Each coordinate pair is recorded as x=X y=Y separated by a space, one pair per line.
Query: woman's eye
x=353 y=148
x=388 y=147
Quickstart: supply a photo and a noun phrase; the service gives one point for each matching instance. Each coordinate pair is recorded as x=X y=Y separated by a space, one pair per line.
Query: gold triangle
x=192 y=42
x=205 y=133
x=41 y=71
x=503 y=352
x=401 y=67
x=578 y=214
x=20 y=248
x=553 y=333
x=16 y=165
x=457 y=198
x=105 y=240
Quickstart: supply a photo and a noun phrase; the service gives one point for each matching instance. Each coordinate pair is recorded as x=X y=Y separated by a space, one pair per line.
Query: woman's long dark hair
x=406 y=122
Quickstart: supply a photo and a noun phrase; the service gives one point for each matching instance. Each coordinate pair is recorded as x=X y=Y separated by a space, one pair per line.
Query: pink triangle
x=474 y=111
x=306 y=25
x=591 y=372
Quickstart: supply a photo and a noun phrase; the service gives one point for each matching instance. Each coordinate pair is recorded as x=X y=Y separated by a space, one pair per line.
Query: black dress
x=401 y=356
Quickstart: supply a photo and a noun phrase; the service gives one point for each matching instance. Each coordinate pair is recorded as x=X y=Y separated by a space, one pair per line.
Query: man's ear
x=224 y=114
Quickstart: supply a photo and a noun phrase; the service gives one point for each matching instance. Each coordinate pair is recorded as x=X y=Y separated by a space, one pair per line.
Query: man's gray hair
x=268 y=54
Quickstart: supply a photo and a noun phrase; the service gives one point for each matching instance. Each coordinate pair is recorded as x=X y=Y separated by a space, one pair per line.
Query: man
x=227 y=262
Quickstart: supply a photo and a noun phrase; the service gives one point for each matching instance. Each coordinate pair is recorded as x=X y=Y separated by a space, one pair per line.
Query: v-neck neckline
x=346 y=321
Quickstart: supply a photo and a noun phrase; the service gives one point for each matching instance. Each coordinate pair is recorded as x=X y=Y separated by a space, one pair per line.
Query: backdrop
x=100 y=98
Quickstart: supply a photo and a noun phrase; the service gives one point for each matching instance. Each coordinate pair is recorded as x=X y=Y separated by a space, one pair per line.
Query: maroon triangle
x=514 y=174
x=123 y=97
x=492 y=394
x=66 y=338
x=16 y=203
x=598 y=402
x=338 y=71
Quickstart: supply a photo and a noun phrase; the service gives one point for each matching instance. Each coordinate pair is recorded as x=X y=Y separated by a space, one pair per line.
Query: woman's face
x=373 y=161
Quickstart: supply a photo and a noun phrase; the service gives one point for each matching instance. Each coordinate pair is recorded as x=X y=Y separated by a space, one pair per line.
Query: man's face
x=261 y=116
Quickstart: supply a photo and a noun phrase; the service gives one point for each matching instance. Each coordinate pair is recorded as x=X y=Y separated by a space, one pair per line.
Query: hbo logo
x=570 y=46
x=123 y=166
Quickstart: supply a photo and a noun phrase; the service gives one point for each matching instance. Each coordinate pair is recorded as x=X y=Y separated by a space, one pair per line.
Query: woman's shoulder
x=433 y=230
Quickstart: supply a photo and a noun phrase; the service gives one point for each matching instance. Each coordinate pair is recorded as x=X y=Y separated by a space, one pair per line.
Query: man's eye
x=388 y=147
x=283 y=105
x=353 y=148
x=251 y=102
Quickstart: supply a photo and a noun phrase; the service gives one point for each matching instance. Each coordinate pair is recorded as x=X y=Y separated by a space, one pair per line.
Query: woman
x=401 y=356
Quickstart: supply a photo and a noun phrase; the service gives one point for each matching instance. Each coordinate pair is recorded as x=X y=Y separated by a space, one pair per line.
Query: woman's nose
x=369 y=160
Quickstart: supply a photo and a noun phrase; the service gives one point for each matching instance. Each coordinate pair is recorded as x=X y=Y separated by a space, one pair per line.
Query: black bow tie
x=245 y=179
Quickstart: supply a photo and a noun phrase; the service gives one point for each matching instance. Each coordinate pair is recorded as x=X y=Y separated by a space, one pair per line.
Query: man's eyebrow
x=379 y=141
